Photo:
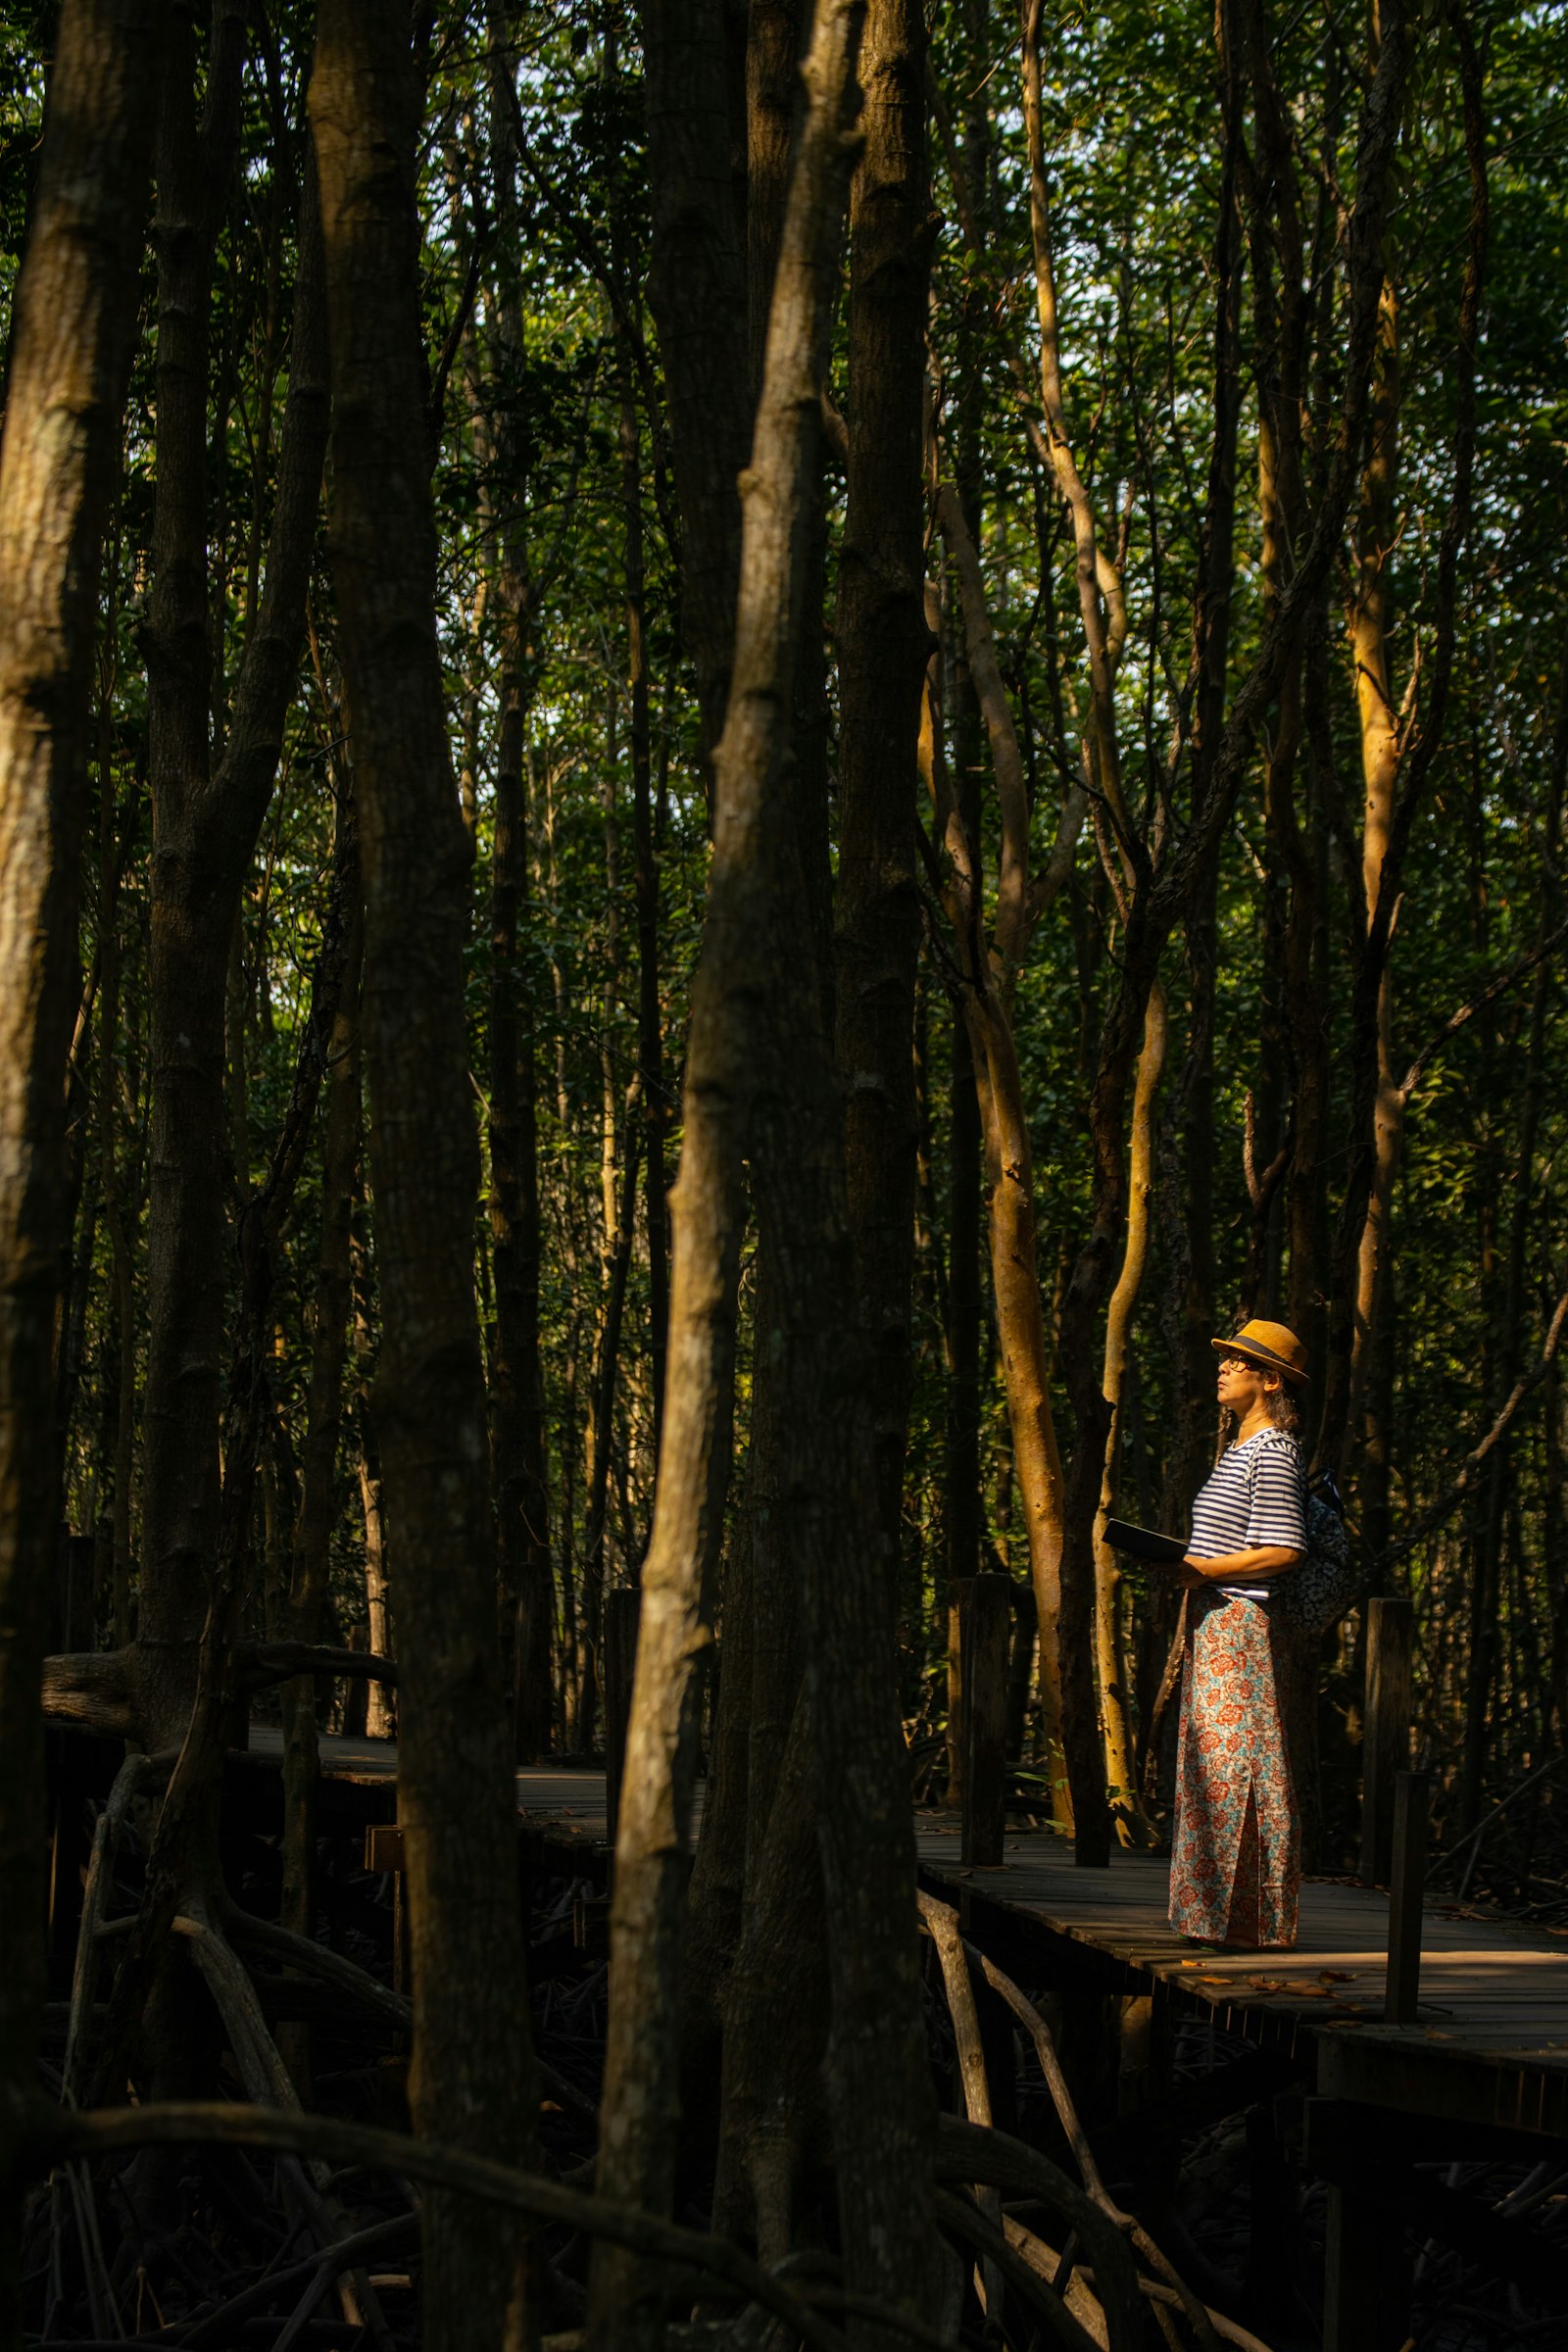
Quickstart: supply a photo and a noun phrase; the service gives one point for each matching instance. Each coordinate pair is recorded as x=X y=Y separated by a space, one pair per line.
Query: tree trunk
x=197 y=869
x=1381 y=752
x=1110 y=1630
x=310 y=1568
x=761 y=1598
x=75 y=318
x=990 y=971
x=1486 y=1584
x=882 y=643
x=742 y=1004
x=697 y=291
x=206 y=824
x=517 y=1371
x=473 y=2079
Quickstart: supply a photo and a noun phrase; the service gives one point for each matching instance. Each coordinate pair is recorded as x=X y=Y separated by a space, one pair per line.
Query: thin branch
x=1451 y=1499
x=1467 y=1012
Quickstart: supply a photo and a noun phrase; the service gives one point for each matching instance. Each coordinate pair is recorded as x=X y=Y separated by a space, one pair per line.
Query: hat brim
x=1263 y=1357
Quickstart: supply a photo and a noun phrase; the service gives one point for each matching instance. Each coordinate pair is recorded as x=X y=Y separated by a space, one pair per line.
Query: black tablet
x=1143 y=1544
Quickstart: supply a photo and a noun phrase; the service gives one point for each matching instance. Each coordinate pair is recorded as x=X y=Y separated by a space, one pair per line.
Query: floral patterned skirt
x=1235 y=1868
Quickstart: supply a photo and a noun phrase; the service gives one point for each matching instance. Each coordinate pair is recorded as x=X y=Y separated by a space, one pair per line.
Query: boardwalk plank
x=1492 y=2033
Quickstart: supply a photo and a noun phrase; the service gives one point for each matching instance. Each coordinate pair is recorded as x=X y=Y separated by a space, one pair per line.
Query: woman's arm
x=1257 y=1565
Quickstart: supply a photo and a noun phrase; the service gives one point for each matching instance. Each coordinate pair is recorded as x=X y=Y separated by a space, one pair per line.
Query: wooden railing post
x=985 y=1620
x=1407 y=1881
x=622 y=1610
x=383 y=1852
x=1386 y=1728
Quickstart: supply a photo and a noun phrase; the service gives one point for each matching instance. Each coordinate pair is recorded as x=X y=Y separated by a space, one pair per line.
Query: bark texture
x=881 y=2124
x=882 y=642
x=697 y=291
x=76 y=309
x=517 y=1375
x=206 y=821
x=472 y=2076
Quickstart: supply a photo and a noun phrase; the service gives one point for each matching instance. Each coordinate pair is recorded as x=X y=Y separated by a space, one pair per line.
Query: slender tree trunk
x=1372 y=1356
x=960 y=1446
x=650 y=1022
x=697 y=291
x=516 y=1372
x=206 y=823
x=473 y=2079
x=761 y=1599
x=310 y=1567
x=775 y=2017
x=882 y=643
x=71 y=351
x=1487 y=1588
x=990 y=970
x=194 y=905
x=1110 y=1630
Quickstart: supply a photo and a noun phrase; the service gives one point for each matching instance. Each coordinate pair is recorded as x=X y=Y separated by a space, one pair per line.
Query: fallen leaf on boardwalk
x=550 y=2107
x=1436 y=2034
x=1270 y=1983
x=1312 y=1992
x=1335 y=1976
x=1213 y=1980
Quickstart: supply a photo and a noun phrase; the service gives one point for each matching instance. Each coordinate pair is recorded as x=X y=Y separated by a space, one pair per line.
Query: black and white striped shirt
x=1253 y=1498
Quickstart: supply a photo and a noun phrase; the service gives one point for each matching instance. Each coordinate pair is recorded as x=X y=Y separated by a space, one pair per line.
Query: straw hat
x=1271 y=1344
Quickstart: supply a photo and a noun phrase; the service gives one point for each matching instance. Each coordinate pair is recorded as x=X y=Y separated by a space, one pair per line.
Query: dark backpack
x=1317 y=1591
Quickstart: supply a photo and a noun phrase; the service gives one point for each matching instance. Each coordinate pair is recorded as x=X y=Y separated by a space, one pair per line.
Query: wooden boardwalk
x=1489 y=2044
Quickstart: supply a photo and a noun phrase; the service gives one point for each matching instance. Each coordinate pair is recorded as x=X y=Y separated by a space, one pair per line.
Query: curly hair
x=1283 y=1410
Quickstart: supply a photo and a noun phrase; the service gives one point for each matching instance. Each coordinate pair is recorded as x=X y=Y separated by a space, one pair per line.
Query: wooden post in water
x=1410 y=1794
x=985 y=1620
x=1385 y=1734
x=622 y=1610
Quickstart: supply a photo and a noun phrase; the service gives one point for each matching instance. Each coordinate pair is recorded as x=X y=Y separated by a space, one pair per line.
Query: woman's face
x=1241 y=1384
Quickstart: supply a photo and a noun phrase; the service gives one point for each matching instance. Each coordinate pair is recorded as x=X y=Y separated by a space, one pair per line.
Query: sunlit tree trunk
x=1110 y=1628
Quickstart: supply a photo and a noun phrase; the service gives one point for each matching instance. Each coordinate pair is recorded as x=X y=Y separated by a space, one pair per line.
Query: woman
x=1235 y=1869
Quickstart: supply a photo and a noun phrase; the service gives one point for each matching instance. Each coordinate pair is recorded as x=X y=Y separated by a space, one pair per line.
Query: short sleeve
x=1278 y=1514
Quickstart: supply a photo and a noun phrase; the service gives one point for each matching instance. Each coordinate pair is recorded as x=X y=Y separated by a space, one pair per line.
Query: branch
x=94 y=1688
x=1007 y=760
x=316 y=1960
x=258 y=1665
x=1467 y=1012
x=1449 y=1500
x=942 y=1921
x=1058 y=866
x=110 y=2132
x=963 y=2218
